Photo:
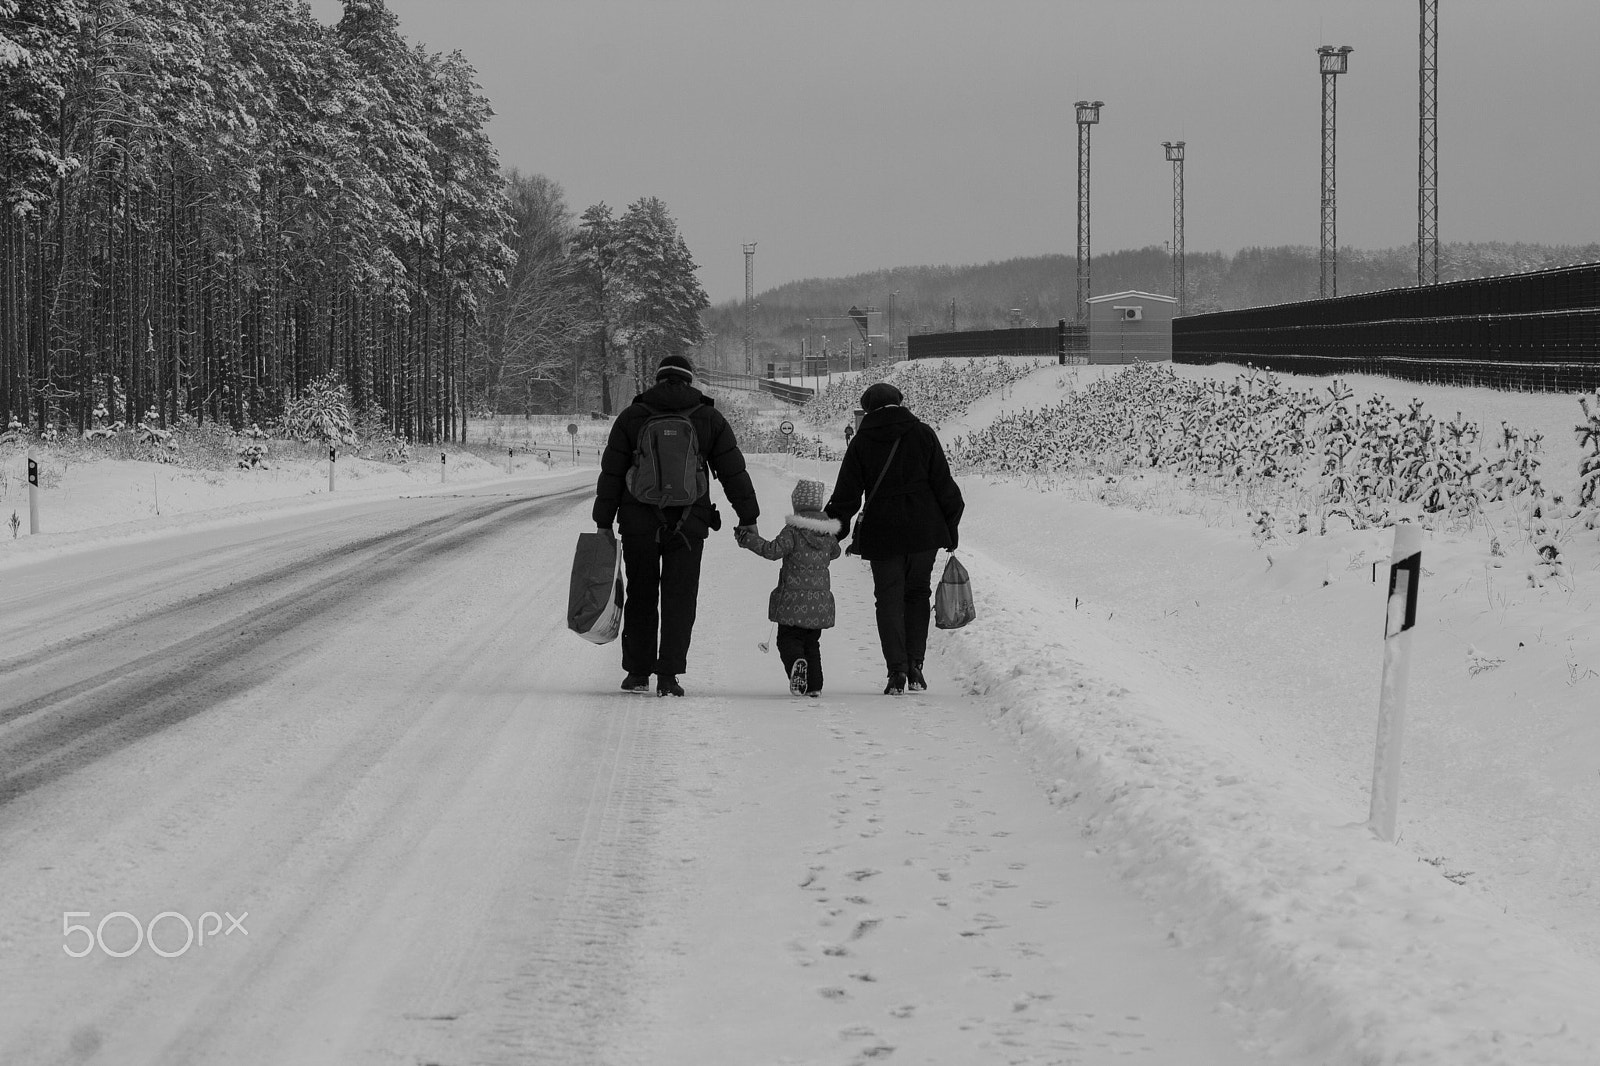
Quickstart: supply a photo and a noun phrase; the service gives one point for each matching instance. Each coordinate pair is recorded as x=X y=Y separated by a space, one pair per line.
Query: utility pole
x=749 y=304
x=1332 y=62
x=1428 y=144
x=1088 y=113
x=1175 y=155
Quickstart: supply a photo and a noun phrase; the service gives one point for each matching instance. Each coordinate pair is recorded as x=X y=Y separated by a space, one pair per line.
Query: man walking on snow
x=662 y=546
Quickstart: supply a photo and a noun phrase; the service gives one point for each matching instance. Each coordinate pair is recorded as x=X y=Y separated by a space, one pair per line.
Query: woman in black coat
x=894 y=472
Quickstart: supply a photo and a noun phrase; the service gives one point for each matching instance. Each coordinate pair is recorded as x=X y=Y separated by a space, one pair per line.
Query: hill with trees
x=1039 y=290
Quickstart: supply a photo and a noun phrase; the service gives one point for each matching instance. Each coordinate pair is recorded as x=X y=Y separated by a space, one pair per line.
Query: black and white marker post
x=786 y=427
x=510 y=454
x=333 y=457
x=33 y=496
x=441 y=468
x=1405 y=573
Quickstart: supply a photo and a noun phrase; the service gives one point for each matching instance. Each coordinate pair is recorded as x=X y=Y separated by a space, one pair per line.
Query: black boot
x=636 y=683
x=914 y=679
x=897 y=683
x=667 y=685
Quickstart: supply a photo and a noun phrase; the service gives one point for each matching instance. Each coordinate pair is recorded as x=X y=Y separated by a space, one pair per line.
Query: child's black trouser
x=797 y=642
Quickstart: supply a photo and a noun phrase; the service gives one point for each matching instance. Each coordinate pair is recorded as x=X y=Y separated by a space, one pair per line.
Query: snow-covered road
x=430 y=831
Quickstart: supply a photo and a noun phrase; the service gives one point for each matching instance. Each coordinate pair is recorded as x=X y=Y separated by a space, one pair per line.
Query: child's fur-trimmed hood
x=816 y=521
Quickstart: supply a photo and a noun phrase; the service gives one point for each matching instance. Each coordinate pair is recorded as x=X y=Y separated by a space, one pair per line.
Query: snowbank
x=1345 y=949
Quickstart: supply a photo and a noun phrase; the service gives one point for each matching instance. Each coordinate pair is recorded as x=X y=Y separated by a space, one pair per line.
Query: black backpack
x=667 y=469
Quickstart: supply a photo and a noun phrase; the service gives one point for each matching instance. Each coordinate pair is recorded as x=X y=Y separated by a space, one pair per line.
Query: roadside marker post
x=1405 y=573
x=786 y=427
x=441 y=468
x=510 y=454
x=333 y=456
x=33 y=495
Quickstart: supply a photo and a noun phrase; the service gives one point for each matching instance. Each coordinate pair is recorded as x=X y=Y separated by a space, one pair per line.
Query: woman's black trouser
x=902 y=586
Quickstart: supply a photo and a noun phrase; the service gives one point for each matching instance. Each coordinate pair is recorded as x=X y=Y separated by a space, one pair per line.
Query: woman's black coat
x=918 y=505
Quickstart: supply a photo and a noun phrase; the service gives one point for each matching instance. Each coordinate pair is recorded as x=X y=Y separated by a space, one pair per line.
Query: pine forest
x=212 y=205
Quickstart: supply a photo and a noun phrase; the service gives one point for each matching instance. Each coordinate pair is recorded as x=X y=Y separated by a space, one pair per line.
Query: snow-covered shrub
x=252 y=451
x=753 y=435
x=377 y=440
x=321 y=413
x=1588 y=434
x=1266 y=443
x=159 y=443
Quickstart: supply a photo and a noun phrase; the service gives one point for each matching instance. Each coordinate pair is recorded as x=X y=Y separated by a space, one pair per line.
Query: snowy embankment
x=1209 y=704
x=1348 y=949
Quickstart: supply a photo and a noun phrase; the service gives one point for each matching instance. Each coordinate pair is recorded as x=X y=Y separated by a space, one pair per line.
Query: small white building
x=1130 y=327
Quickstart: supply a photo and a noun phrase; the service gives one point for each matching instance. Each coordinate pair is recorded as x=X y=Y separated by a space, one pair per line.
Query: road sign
x=572 y=428
x=786 y=427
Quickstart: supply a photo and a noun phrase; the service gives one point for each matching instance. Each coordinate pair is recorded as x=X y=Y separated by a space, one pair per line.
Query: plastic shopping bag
x=594 y=603
x=952 y=600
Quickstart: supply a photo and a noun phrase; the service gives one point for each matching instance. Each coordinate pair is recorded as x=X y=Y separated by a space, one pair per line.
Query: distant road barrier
x=795 y=394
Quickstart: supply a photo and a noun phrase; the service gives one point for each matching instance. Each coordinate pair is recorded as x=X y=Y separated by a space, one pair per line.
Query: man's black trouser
x=663 y=586
x=902 y=586
x=797 y=642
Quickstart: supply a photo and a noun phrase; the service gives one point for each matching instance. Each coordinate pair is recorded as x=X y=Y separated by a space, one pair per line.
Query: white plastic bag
x=952 y=600
x=594 y=602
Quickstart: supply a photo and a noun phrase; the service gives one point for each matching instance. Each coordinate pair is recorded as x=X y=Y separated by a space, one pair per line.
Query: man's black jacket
x=613 y=502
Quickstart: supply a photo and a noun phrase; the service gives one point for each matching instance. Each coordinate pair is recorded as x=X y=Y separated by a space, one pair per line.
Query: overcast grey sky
x=851 y=136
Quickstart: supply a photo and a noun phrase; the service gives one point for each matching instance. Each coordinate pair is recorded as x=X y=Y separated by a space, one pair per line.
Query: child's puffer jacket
x=808 y=543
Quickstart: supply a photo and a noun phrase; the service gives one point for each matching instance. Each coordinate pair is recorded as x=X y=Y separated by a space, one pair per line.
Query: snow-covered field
x=1201 y=711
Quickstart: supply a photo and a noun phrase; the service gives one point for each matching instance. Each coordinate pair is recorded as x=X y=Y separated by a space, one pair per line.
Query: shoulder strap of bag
x=886 y=463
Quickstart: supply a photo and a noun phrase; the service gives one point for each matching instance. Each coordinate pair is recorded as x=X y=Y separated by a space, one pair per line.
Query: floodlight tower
x=1428 y=145
x=749 y=298
x=1088 y=114
x=1175 y=156
x=1332 y=62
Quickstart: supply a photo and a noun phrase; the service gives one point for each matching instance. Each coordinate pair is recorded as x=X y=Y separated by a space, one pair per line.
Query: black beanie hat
x=880 y=395
x=675 y=366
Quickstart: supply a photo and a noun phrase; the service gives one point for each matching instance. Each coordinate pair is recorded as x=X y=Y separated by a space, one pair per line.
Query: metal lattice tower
x=1332 y=62
x=1175 y=155
x=1428 y=144
x=1088 y=113
x=749 y=305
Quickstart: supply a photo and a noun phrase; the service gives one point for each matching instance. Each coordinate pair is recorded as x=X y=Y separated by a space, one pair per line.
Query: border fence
x=1537 y=331
x=1054 y=342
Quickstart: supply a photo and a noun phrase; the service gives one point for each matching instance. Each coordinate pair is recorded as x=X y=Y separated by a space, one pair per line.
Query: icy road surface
x=359 y=752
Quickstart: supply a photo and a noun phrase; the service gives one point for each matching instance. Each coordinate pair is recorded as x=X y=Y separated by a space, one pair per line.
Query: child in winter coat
x=802 y=604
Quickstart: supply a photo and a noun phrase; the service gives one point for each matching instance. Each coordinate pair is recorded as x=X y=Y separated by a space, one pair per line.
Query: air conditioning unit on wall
x=1129 y=314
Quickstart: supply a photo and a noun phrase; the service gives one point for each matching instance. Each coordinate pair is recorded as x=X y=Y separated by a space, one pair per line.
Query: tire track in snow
x=189 y=657
x=572 y=997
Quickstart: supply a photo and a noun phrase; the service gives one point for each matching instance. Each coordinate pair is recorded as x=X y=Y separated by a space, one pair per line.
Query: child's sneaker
x=797 y=678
